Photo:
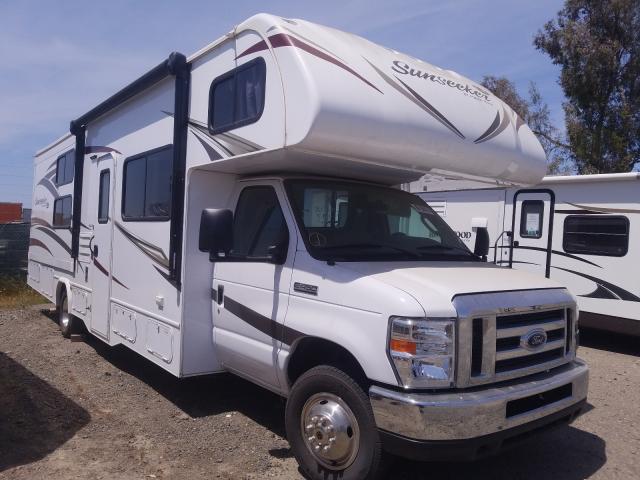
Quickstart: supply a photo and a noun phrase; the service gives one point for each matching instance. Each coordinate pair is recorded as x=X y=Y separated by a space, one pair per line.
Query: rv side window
x=103 y=196
x=62 y=212
x=531 y=217
x=146 y=195
x=65 y=168
x=258 y=222
x=237 y=97
x=603 y=235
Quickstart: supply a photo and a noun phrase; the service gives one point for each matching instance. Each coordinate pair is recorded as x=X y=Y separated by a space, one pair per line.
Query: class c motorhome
x=235 y=211
x=576 y=229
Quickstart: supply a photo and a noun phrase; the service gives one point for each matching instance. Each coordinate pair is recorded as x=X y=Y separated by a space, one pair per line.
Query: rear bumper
x=479 y=421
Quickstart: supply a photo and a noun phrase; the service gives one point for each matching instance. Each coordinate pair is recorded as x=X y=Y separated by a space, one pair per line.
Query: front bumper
x=477 y=421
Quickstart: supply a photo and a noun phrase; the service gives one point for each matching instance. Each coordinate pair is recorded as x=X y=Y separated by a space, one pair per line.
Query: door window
x=531 y=218
x=103 y=196
x=258 y=223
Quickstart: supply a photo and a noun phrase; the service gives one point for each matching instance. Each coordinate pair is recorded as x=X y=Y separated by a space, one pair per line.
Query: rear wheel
x=66 y=321
x=331 y=428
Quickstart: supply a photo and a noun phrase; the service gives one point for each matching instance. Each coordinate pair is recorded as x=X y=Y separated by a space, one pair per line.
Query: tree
x=597 y=45
x=535 y=112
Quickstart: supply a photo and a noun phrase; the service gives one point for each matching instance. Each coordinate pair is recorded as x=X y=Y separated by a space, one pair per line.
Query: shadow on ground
x=566 y=452
x=199 y=396
x=612 y=342
x=35 y=418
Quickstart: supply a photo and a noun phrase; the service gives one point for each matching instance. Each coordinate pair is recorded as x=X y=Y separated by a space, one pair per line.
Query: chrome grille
x=494 y=332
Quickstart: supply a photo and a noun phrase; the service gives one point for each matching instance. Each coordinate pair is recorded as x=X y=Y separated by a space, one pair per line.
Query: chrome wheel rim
x=64 y=314
x=330 y=430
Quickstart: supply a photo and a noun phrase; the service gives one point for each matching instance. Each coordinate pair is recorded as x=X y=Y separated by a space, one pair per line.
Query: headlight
x=422 y=351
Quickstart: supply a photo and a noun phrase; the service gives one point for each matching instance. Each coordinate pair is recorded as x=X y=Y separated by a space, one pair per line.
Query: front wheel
x=331 y=428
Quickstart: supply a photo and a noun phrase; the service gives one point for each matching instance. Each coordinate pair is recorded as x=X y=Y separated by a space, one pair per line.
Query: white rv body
x=592 y=220
x=117 y=232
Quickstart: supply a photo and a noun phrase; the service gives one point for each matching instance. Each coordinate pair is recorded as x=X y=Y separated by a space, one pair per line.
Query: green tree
x=535 y=112
x=597 y=45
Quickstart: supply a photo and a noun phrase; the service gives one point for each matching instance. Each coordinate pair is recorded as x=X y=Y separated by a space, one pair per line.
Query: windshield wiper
x=374 y=245
x=445 y=247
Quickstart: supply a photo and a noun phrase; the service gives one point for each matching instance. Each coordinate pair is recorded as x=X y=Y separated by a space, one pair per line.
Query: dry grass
x=15 y=293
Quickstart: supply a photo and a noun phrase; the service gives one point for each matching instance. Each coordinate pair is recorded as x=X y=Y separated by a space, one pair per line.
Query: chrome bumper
x=480 y=411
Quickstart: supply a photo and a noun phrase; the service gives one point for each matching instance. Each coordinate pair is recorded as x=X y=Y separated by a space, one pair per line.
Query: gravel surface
x=82 y=410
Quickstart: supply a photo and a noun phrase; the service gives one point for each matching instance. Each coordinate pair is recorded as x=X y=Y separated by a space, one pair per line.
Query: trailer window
x=103 y=196
x=605 y=235
x=65 y=168
x=62 y=212
x=258 y=222
x=146 y=195
x=237 y=97
x=531 y=217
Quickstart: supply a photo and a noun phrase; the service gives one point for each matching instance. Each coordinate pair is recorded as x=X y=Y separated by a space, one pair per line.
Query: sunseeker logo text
x=473 y=92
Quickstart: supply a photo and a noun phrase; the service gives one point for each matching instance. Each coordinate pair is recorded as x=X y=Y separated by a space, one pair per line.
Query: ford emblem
x=534 y=339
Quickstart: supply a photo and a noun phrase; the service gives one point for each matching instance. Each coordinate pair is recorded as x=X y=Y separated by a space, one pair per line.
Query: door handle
x=93 y=248
x=220 y=295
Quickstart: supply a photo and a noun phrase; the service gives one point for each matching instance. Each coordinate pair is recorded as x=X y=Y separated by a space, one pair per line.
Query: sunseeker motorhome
x=577 y=229
x=233 y=211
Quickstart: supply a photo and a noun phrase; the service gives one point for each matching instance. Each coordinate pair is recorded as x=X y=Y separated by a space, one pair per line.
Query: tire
x=355 y=453
x=66 y=321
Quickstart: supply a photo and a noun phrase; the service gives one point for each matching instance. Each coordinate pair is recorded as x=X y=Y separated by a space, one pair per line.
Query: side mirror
x=481 y=248
x=216 y=232
x=277 y=254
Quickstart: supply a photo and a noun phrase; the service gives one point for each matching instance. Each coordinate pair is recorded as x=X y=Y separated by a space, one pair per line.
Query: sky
x=59 y=59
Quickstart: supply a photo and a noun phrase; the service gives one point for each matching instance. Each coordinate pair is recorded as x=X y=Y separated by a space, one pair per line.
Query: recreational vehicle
x=235 y=211
x=576 y=229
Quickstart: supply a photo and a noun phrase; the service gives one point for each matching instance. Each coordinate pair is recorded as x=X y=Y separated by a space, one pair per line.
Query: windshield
x=359 y=222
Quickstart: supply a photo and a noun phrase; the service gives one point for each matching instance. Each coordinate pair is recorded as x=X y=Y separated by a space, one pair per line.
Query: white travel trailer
x=234 y=211
x=576 y=229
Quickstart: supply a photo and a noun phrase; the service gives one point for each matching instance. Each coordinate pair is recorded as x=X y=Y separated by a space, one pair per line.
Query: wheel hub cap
x=330 y=430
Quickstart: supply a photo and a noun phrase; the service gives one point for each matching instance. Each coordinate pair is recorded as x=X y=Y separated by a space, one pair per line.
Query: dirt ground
x=78 y=410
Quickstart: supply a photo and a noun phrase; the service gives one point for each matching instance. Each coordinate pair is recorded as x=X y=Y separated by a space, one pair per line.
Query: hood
x=434 y=285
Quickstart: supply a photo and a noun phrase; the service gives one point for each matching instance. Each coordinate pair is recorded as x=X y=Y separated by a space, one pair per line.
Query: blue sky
x=61 y=58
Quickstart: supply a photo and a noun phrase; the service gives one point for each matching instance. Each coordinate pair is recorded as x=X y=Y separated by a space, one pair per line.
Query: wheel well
x=312 y=351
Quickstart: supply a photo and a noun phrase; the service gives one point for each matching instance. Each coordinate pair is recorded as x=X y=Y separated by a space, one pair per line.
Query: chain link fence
x=14 y=245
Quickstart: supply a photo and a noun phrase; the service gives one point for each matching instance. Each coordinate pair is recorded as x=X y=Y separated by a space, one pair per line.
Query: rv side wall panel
x=139 y=270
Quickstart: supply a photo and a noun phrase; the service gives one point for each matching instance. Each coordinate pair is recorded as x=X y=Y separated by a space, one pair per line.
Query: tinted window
x=103 y=196
x=147 y=186
x=596 y=235
x=360 y=222
x=62 y=212
x=531 y=218
x=258 y=222
x=65 y=168
x=237 y=98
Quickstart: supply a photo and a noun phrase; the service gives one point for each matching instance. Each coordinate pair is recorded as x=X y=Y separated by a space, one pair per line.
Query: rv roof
x=61 y=139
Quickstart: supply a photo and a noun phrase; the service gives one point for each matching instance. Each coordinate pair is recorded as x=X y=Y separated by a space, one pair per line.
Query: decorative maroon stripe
x=258 y=47
x=104 y=270
x=40 y=221
x=283 y=40
x=34 y=242
x=99 y=149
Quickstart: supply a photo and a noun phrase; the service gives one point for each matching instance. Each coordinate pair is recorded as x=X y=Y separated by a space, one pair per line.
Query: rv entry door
x=101 y=216
x=532 y=227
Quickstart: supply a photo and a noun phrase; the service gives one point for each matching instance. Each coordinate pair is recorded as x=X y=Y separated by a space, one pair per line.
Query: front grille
x=506 y=335
x=512 y=351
